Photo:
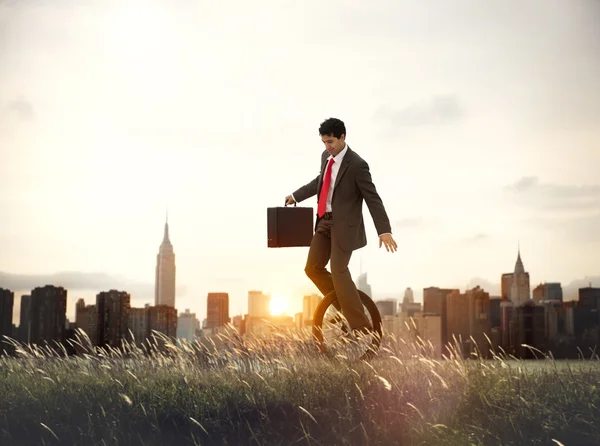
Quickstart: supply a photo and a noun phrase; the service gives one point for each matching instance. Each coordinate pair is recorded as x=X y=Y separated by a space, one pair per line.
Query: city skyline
x=480 y=127
x=286 y=305
x=508 y=321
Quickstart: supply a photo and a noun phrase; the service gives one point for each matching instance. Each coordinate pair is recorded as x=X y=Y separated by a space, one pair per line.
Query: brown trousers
x=323 y=248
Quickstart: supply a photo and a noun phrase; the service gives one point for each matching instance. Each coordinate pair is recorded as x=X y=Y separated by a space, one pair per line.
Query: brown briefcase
x=289 y=226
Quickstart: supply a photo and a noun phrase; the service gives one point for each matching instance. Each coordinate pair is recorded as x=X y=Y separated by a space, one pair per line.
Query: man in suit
x=343 y=183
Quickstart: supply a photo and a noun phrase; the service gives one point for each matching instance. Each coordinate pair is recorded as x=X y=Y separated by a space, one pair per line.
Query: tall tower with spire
x=164 y=288
x=520 y=290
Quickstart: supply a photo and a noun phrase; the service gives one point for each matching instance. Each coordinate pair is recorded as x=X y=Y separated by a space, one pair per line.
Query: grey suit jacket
x=353 y=184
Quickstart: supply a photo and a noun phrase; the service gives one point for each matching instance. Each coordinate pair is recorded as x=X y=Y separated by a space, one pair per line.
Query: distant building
x=495 y=310
x=7 y=300
x=516 y=291
x=586 y=316
x=429 y=329
x=520 y=291
x=239 y=324
x=164 y=293
x=507 y=309
x=363 y=285
x=409 y=296
x=163 y=319
x=187 y=325
x=258 y=304
x=265 y=327
x=299 y=321
x=309 y=306
x=25 y=319
x=589 y=297
x=86 y=319
x=113 y=317
x=548 y=291
x=506 y=284
x=468 y=317
x=139 y=328
x=554 y=316
x=435 y=301
x=217 y=310
x=48 y=315
x=530 y=330
x=420 y=333
x=411 y=308
x=386 y=307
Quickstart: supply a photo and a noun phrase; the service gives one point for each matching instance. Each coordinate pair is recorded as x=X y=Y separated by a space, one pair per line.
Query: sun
x=278 y=305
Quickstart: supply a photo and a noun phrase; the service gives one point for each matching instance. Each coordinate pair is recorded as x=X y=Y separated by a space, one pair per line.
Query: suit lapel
x=345 y=162
x=323 y=165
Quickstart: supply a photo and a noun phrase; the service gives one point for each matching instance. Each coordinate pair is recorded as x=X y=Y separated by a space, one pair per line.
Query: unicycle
x=332 y=332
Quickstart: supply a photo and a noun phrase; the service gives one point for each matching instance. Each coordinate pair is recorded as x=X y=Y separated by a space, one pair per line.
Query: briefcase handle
x=285 y=205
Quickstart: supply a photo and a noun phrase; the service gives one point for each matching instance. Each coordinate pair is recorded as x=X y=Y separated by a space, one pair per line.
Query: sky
x=480 y=122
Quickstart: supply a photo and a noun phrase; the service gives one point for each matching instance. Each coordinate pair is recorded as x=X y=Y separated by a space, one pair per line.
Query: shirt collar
x=340 y=156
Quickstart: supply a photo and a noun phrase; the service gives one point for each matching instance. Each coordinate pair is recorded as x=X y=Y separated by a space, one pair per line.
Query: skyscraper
x=217 y=310
x=113 y=317
x=164 y=293
x=138 y=324
x=435 y=301
x=363 y=285
x=7 y=299
x=86 y=319
x=258 y=304
x=506 y=284
x=468 y=316
x=309 y=305
x=520 y=291
x=25 y=321
x=187 y=325
x=386 y=307
x=548 y=292
x=162 y=319
x=48 y=314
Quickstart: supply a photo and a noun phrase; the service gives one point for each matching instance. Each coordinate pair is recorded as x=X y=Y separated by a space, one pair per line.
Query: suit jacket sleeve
x=309 y=189
x=372 y=198
x=306 y=191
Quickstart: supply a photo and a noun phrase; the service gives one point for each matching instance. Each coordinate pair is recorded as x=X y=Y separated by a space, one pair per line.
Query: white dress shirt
x=337 y=162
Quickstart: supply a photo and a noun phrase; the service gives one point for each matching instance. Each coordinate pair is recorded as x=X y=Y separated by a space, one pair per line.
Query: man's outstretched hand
x=388 y=241
x=289 y=200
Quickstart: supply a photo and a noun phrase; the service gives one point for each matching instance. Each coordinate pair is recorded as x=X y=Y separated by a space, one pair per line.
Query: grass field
x=283 y=392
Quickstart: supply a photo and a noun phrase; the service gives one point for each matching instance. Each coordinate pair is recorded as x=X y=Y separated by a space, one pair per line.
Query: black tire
x=331 y=300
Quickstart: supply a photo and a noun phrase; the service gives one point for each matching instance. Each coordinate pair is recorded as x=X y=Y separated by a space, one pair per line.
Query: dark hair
x=332 y=127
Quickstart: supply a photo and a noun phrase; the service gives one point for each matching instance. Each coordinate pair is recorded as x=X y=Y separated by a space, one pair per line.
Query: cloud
x=410 y=223
x=524 y=184
x=529 y=191
x=567 y=210
x=76 y=280
x=418 y=222
x=582 y=228
x=22 y=108
x=477 y=238
x=437 y=110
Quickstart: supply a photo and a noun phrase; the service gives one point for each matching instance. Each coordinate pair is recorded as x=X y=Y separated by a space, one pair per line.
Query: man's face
x=334 y=145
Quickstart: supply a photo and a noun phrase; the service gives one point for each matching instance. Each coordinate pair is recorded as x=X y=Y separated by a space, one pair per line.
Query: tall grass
x=282 y=391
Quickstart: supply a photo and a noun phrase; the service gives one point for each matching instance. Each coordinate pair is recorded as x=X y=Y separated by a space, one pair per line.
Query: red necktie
x=325 y=190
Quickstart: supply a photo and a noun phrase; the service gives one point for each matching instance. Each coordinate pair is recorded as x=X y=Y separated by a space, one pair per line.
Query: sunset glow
x=279 y=305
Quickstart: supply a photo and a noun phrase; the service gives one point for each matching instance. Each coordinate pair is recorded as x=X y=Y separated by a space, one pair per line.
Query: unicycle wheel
x=333 y=335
